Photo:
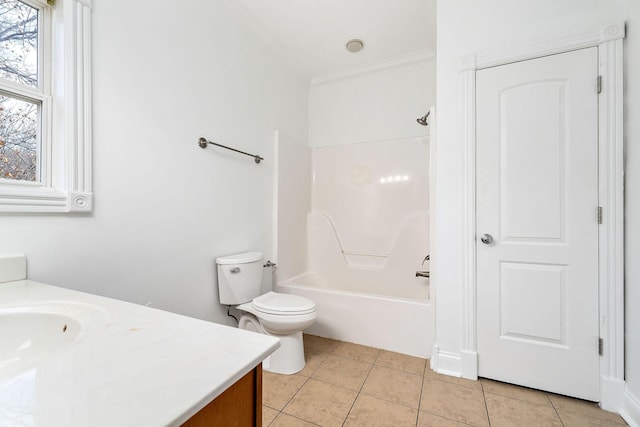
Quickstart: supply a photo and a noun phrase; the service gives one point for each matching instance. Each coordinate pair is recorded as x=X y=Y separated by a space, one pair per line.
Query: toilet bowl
x=284 y=316
x=281 y=315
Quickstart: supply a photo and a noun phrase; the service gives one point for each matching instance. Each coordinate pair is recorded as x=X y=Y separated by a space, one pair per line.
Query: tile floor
x=345 y=384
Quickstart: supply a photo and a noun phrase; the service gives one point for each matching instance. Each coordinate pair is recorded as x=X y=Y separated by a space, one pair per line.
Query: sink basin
x=33 y=333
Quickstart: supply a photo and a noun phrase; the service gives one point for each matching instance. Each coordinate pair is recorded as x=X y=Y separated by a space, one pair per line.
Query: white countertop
x=136 y=366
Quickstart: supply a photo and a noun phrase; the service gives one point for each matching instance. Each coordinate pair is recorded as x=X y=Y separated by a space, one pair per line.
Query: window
x=22 y=91
x=45 y=117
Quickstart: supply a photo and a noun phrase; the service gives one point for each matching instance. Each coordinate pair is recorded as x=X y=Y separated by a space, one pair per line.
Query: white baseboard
x=446 y=363
x=461 y=365
x=631 y=410
x=469 y=364
x=611 y=394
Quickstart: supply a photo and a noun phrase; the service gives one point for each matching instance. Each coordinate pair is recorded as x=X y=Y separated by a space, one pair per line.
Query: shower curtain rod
x=203 y=142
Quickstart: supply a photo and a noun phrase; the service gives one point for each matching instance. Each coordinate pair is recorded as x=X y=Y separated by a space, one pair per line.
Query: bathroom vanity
x=239 y=405
x=69 y=358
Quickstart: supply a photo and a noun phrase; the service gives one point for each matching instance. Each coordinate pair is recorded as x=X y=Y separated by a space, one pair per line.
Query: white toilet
x=280 y=315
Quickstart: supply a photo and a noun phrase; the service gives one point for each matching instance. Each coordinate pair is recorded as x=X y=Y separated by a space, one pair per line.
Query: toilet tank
x=239 y=277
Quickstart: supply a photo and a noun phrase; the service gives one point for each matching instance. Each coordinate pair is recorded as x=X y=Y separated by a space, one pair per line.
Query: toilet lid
x=274 y=303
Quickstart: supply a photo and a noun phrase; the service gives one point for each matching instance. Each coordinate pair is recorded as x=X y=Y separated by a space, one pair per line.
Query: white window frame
x=65 y=89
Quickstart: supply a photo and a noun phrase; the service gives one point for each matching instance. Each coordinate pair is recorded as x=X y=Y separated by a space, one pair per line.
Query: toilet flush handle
x=235 y=270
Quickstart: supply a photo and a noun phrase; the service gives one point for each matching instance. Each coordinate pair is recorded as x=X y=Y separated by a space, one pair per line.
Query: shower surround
x=367 y=235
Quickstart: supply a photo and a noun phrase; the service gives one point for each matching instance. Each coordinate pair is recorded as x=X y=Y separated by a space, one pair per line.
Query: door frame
x=609 y=41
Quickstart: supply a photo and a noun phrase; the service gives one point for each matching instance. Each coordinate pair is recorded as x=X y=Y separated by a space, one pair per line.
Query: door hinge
x=600 y=346
x=599 y=84
x=599 y=214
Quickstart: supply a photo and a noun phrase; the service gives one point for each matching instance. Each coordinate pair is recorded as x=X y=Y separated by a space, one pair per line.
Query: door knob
x=487 y=239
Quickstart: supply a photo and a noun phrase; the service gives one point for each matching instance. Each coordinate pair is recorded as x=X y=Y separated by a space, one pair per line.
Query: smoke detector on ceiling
x=355 y=45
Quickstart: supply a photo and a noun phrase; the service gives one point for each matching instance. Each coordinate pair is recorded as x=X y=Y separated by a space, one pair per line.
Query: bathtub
x=358 y=311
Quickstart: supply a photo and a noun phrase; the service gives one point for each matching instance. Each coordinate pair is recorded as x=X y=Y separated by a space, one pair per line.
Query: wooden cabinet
x=240 y=405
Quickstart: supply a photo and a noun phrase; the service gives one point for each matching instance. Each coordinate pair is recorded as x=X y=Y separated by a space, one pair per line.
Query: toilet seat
x=283 y=304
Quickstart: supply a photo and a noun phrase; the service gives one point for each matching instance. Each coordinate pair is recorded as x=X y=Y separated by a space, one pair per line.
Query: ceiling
x=311 y=34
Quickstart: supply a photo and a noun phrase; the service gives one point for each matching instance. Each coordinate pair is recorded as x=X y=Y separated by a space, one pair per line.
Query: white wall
x=466 y=27
x=374 y=106
x=632 y=201
x=165 y=74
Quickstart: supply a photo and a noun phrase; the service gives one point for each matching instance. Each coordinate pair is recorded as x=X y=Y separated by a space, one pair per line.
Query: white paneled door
x=537 y=226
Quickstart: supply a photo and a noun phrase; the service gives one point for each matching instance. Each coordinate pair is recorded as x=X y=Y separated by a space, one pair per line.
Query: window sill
x=32 y=198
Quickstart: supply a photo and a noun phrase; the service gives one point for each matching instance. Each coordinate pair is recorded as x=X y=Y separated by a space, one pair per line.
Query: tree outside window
x=19 y=114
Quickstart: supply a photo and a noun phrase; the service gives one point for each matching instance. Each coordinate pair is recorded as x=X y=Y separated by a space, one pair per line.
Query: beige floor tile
x=313 y=360
x=515 y=392
x=507 y=412
x=396 y=386
x=278 y=389
x=343 y=372
x=268 y=415
x=356 y=351
x=428 y=373
x=573 y=420
x=370 y=411
x=401 y=362
x=425 y=419
x=569 y=405
x=285 y=420
x=314 y=342
x=455 y=402
x=321 y=403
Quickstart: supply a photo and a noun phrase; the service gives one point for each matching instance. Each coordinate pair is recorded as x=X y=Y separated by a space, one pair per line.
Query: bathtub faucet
x=427 y=258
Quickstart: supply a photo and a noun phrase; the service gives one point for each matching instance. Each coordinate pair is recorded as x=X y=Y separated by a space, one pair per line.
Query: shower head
x=423 y=120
